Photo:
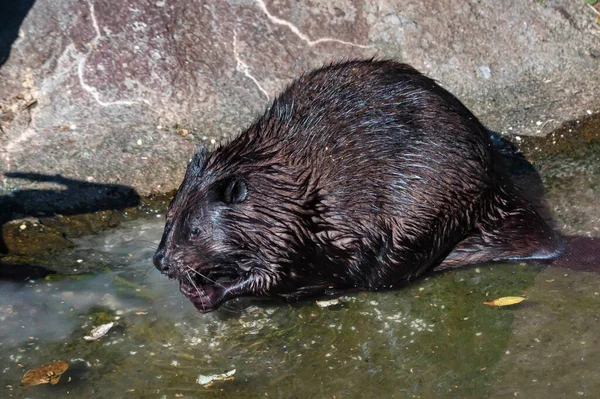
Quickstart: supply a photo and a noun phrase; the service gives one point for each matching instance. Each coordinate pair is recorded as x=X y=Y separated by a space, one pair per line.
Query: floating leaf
x=48 y=373
x=505 y=301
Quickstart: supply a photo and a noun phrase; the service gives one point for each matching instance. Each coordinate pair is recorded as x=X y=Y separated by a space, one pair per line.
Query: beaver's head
x=237 y=219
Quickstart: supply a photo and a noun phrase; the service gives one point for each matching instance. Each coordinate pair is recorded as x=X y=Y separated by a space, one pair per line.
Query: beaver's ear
x=235 y=191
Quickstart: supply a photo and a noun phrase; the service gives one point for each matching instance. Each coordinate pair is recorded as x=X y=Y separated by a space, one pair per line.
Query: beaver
x=360 y=175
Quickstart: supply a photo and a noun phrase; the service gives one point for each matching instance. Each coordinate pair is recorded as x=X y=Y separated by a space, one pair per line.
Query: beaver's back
x=386 y=148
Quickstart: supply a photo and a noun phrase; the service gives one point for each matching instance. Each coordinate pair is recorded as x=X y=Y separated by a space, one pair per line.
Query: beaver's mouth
x=207 y=288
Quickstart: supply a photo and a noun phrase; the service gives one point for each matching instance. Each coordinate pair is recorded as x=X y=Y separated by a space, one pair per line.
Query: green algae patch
x=553 y=350
x=98 y=315
x=131 y=288
x=59 y=277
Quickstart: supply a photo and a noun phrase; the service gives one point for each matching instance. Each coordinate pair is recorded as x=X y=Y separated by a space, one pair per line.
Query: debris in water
x=208 y=379
x=99 y=331
x=325 y=304
x=505 y=301
x=48 y=373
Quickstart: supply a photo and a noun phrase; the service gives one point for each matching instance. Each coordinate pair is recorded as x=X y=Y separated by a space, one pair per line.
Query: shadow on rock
x=12 y=14
x=77 y=197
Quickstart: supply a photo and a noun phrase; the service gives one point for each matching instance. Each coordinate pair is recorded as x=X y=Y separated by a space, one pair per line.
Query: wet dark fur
x=362 y=174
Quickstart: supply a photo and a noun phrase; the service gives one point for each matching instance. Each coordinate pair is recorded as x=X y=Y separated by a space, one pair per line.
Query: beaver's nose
x=159 y=261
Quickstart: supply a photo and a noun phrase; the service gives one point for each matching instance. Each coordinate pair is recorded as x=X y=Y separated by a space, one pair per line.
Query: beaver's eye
x=233 y=191
x=195 y=231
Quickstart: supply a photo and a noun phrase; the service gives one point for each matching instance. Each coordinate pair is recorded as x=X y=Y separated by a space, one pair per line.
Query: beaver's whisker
x=148 y=270
x=149 y=241
x=203 y=276
x=191 y=280
x=147 y=246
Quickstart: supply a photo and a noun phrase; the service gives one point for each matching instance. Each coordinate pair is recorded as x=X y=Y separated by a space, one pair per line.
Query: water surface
x=434 y=338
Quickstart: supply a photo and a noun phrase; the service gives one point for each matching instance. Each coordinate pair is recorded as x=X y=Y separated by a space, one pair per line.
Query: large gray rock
x=118 y=91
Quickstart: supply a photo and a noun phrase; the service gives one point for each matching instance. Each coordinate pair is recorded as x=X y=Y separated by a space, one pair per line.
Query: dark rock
x=29 y=236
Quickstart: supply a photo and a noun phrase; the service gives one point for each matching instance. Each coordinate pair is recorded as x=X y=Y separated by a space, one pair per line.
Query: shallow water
x=433 y=338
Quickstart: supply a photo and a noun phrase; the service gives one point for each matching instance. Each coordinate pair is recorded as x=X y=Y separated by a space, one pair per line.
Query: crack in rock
x=301 y=35
x=64 y=67
x=242 y=67
x=81 y=69
x=24 y=136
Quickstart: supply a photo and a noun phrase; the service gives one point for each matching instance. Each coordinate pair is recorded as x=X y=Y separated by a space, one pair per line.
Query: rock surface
x=119 y=91
x=24 y=237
